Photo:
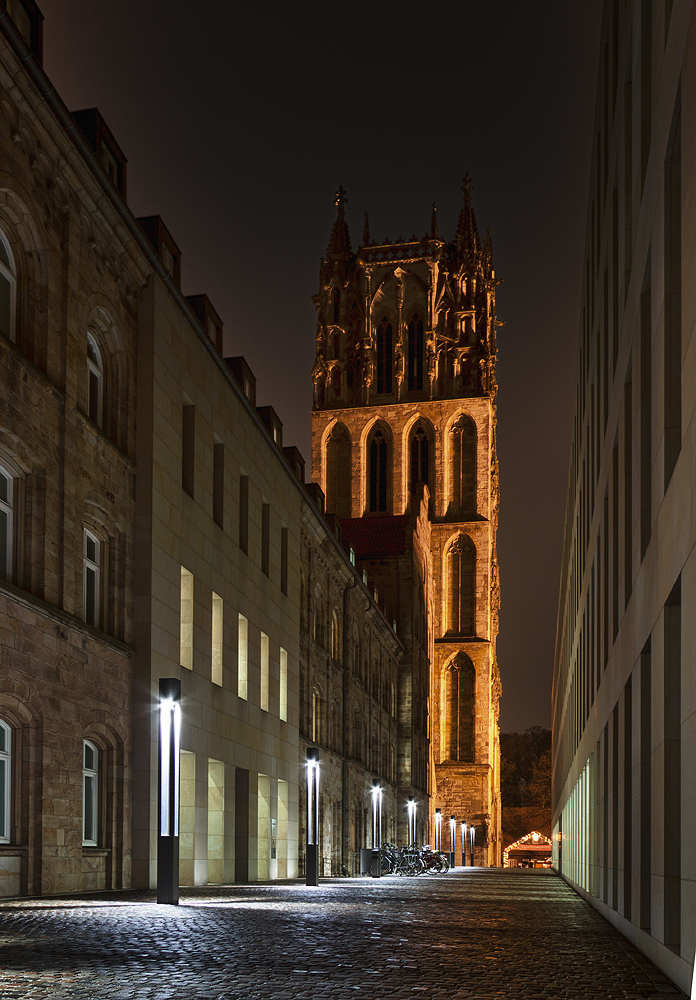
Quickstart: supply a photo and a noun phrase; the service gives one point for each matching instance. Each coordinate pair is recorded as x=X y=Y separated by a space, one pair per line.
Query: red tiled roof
x=375 y=536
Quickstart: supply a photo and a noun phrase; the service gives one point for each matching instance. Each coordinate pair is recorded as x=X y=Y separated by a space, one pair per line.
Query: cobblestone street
x=479 y=934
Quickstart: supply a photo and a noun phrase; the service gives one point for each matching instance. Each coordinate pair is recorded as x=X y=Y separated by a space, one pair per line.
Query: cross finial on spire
x=466 y=188
x=340 y=199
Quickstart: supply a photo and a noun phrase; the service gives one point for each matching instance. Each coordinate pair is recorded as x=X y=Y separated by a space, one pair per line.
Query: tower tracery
x=405 y=377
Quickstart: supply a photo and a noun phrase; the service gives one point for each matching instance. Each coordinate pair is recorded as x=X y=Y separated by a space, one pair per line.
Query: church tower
x=403 y=447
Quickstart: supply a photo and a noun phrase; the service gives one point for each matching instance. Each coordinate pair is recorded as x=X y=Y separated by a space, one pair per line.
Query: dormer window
x=21 y=19
x=168 y=259
x=109 y=164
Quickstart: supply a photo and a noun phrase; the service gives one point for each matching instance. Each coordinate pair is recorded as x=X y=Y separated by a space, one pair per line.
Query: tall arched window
x=90 y=793
x=91 y=577
x=95 y=381
x=335 y=636
x=6 y=523
x=419 y=456
x=8 y=288
x=461 y=586
x=385 y=356
x=415 y=353
x=460 y=679
x=378 y=489
x=338 y=472
x=5 y=781
x=463 y=464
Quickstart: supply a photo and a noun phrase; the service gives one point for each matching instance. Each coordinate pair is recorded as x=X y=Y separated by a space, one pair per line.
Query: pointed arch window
x=378 y=453
x=8 y=288
x=415 y=353
x=460 y=679
x=461 y=587
x=90 y=793
x=95 y=381
x=6 y=522
x=336 y=381
x=419 y=456
x=338 y=472
x=463 y=464
x=385 y=356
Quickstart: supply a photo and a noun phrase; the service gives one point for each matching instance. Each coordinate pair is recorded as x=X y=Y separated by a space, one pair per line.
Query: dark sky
x=239 y=121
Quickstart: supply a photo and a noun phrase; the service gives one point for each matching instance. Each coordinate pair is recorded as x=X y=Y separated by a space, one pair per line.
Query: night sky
x=240 y=120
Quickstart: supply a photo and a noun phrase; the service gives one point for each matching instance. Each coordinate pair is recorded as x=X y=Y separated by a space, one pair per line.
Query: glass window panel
x=89 y=756
x=90 y=595
x=4 y=522
x=91 y=548
x=4 y=488
x=5 y=303
x=4 y=255
x=3 y=799
x=88 y=832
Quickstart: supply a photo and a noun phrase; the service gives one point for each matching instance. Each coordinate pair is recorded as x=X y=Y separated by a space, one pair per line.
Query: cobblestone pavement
x=475 y=934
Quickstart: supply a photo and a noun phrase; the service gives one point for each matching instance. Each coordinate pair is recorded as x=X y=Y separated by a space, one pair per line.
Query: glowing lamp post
x=438 y=829
x=168 y=831
x=312 y=867
x=472 y=834
x=411 y=821
x=463 y=844
x=376 y=828
x=453 y=839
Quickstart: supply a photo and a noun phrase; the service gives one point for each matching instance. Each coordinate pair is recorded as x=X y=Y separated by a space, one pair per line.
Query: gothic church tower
x=403 y=446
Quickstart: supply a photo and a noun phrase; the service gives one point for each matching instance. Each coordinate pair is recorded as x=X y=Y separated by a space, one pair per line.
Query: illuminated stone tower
x=403 y=446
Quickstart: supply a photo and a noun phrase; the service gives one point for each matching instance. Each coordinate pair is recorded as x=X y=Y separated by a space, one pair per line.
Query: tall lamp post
x=472 y=835
x=376 y=828
x=463 y=844
x=438 y=829
x=168 y=795
x=312 y=866
x=453 y=839
x=411 y=821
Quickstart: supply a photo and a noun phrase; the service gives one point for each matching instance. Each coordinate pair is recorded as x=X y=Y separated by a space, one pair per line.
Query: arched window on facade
x=378 y=485
x=338 y=472
x=90 y=794
x=415 y=353
x=335 y=636
x=95 y=382
x=8 y=288
x=91 y=578
x=461 y=586
x=5 y=781
x=385 y=356
x=460 y=678
x=463 y=464
x=6 y=523
x=419 y=456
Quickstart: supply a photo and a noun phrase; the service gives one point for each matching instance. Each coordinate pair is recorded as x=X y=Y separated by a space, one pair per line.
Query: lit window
x=217 y=640
x=8 y=288
x=90 y=793
x=5 y=781
x=91 y=577
x=283 y=685
x=186 y=620
x=95 y=381
x=265 y=671
x=242 y=656
x=6 y=526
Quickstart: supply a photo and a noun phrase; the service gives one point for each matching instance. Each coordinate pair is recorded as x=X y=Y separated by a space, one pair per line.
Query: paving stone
x=471 y=935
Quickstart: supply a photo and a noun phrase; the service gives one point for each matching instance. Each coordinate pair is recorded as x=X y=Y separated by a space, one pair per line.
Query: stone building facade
x=624 y=692
x=403 y=445
x=350 y=659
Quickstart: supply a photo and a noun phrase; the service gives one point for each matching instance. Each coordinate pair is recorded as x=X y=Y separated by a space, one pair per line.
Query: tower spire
x=467 y=239
x=434 y=231
x=339 y=242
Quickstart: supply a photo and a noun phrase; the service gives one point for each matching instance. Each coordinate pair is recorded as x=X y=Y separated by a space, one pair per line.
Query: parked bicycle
x=400 y=861
x=434 y=862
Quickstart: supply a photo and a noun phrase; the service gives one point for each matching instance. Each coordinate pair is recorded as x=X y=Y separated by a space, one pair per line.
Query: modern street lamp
x=376 y=828
x=411 y=821
x=472 y=835
x=438 y=829
x=453 y=839
x=168 y=828
x=312 y=866
x=463 y=844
